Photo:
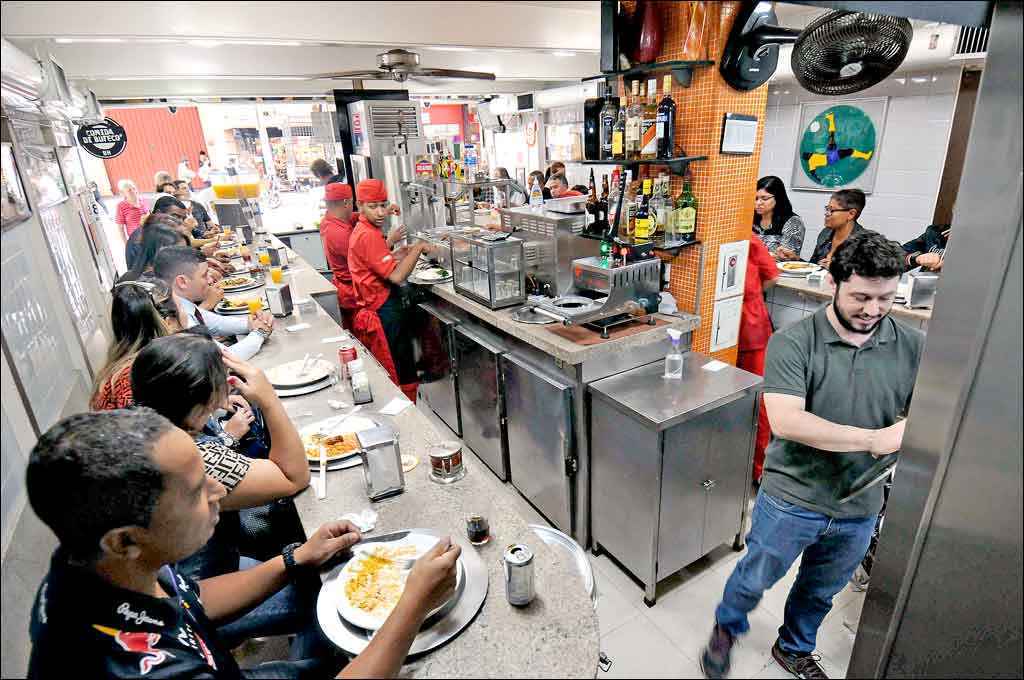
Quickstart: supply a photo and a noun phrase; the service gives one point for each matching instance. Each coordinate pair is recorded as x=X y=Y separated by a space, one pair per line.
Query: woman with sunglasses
x=779 y=228
x=141 y=312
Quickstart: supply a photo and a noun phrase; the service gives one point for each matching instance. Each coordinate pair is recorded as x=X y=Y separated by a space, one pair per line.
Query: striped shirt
x=130 y=216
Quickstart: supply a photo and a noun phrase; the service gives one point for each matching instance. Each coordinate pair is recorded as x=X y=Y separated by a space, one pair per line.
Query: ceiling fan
x=400 y=65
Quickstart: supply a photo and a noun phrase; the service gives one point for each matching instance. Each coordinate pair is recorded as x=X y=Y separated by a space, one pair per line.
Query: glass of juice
x=265 y=259
x=227 y=233
x=276 y=274
x=255 y=306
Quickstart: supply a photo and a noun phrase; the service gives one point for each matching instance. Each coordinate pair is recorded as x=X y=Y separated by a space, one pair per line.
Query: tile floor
x=664 y=641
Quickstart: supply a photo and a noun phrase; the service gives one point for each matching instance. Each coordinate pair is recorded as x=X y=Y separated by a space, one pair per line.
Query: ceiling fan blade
x=450 y=73
x=374 y=74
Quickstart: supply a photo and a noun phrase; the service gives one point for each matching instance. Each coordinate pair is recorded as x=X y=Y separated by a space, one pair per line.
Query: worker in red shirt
x=755 y=329
x=376 y=273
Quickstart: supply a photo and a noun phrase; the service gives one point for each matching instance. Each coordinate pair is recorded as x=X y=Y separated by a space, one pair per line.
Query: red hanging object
x=650 y=33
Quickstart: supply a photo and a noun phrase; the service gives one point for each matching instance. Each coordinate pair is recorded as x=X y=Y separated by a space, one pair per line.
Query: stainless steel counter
x=556 y=636
x=792 y=298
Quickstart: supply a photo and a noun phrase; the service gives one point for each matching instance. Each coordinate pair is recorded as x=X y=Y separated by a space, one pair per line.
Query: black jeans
x=393 y=317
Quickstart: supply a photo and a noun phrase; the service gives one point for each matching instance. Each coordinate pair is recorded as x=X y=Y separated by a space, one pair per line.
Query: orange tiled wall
x=723 y=184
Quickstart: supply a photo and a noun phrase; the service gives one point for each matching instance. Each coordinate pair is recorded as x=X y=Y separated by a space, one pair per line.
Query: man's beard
x=847 y=324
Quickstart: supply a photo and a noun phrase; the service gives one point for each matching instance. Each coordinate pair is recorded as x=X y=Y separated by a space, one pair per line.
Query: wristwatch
x=288 y=554
x=227 y=440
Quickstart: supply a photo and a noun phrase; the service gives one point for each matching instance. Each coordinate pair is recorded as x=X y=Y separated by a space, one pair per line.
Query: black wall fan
x=838 y=53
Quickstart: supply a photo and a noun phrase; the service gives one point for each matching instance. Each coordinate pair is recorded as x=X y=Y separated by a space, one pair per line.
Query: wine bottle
x=667 y=122
x=687 y=224
x=633 y=116
x=619 y=135
x=609 y=113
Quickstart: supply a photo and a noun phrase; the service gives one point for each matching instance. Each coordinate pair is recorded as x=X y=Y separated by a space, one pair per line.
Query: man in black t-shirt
x=127 y=496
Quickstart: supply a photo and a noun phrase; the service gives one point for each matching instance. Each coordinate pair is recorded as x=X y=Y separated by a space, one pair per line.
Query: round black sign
x=103 y=140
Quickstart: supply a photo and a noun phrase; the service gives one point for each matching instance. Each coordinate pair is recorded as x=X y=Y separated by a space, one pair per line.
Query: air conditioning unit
x=971 y=43
x=55 y=94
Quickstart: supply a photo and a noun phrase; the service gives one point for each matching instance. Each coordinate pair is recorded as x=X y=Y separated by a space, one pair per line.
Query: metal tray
x=436 y=630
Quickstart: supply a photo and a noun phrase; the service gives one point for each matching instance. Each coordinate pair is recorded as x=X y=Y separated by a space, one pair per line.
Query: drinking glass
x=255 y=306
x=265 y=259
x=276 y=274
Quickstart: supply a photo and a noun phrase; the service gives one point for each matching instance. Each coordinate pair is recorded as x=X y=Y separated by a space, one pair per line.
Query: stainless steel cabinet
x=480 y=396
x=542 y=461
x=670 y=464
x=439 y=384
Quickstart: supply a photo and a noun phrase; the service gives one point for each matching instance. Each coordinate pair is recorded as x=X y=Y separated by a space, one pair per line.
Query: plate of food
x=293 y=374
x=238 y=283
x=238 y=306
x=372 y=582
x=431 y=275
x=339 y=439
x=797 y=268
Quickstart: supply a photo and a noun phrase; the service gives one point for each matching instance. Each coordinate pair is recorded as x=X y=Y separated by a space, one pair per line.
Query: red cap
x=337 y=191
x=371 y=191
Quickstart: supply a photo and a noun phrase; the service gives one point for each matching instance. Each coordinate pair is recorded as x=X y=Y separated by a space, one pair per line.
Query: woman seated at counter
x=185 y=378
x=779 y=228
x=841 y=213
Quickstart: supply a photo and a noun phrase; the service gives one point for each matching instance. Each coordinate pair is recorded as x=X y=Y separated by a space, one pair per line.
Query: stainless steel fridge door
x=538 y=411
x=439 y=384
x=480 y=397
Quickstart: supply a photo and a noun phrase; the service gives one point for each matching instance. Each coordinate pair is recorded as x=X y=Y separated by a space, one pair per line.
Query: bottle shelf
x=677 y=165
x=682 y=71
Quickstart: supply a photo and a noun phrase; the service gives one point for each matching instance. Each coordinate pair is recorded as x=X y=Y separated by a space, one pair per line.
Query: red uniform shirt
x=336 y=235
x=755 y=326
x=370 y=262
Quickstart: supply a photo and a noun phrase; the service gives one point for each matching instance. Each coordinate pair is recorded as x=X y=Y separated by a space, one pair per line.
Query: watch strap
x=288 y=555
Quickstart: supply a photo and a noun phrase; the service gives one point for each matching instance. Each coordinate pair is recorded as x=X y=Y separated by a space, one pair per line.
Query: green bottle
x=686 y=225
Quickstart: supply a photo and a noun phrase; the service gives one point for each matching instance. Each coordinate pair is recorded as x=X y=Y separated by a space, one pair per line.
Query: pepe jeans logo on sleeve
x=137 y=617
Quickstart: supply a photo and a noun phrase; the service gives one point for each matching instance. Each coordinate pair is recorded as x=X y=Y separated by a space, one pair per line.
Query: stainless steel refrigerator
x=439 y=382
x=480 y=395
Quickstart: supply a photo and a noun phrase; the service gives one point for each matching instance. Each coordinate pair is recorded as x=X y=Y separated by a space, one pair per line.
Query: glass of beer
x=255 y=306
x=276 y=274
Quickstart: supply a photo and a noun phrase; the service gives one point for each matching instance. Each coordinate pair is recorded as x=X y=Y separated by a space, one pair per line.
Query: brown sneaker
x=714 y=660
x=799 y=665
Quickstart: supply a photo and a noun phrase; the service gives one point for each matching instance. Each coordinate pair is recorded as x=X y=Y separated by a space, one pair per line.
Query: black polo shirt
x=84 y=627
x=868 y=386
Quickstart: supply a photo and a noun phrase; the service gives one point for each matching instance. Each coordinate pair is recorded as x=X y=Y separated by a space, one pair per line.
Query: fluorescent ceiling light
x=206 y=43
x=452 y=48
x=88 y=40
x=563 y=53
x=195 y=77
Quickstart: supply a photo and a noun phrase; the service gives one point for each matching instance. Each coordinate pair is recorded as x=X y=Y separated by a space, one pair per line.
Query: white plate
x=808 y=268
x=249 y=283
x=332 y=426
x=287 y=376
x=373 y=621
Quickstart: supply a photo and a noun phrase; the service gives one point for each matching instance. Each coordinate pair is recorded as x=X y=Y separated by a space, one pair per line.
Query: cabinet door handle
x=709 y=484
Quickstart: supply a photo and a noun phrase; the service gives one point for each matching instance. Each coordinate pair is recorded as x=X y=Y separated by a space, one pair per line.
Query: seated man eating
x=126 y=494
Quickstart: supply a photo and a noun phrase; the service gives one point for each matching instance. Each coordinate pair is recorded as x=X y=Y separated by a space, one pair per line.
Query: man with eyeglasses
x=841 y=213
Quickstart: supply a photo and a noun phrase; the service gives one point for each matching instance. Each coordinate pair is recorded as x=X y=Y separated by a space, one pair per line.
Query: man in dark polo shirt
x=127 y=496
x=837 y=386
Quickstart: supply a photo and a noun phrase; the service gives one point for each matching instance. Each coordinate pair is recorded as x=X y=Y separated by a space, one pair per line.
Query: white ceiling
x=166 y=49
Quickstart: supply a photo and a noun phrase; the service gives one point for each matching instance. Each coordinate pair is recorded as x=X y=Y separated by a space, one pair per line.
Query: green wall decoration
x=838 y=145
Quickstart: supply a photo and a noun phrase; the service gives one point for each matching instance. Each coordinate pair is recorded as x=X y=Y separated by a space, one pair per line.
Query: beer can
x=518 y=563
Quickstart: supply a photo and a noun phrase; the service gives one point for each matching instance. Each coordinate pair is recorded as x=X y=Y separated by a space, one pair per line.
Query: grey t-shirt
x=868 y=386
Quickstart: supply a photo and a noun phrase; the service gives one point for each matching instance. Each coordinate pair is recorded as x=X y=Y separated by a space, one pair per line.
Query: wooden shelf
x=682 y=71
x=677 y=165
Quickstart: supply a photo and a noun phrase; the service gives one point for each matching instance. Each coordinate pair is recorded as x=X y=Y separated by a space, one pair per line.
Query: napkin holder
x=921 y=289
x=278 y=256
x=381 y=457
x=279 y=299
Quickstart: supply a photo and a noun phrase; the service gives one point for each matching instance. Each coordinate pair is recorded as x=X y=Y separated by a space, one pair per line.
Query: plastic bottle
x=674 y=359
x=536 y=196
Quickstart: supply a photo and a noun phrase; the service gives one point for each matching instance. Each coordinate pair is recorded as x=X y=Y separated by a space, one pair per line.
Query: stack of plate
x=349 y=616
x=289 y=380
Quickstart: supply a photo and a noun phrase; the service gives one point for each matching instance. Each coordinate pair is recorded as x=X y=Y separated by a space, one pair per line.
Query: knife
x=386 y=538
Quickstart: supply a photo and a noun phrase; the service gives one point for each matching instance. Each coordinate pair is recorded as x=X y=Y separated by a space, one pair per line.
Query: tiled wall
x=722 y=184
x=910 y=158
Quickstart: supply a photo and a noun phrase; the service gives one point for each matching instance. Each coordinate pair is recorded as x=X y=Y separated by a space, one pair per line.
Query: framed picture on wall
x=837 y=144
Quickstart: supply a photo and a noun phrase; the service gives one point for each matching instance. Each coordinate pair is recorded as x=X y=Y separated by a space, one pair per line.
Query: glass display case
x=488 y=268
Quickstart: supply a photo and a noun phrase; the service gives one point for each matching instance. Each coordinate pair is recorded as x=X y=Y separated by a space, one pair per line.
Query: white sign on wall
x=732 y=269
x=725 y=323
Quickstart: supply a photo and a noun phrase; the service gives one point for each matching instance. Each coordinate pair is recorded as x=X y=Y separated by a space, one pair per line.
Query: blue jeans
x=289 y=611
x=780 y=531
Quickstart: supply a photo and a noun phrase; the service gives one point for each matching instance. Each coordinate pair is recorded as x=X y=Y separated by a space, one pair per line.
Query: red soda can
x=346 y=353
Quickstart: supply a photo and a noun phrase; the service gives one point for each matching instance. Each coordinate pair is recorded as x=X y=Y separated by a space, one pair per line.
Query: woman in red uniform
x=755 y=329
x=376 y=271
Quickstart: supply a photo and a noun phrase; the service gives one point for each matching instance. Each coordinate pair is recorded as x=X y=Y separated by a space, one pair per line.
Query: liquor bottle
x=633 y=116
x=667 y=122
x=609 y=114
x=649 y=123
x=613 y=198
x=619 y=135
x=644 y=228
x=604 y=188
x=664 y=204
x=687 y=224
x=592 y=228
